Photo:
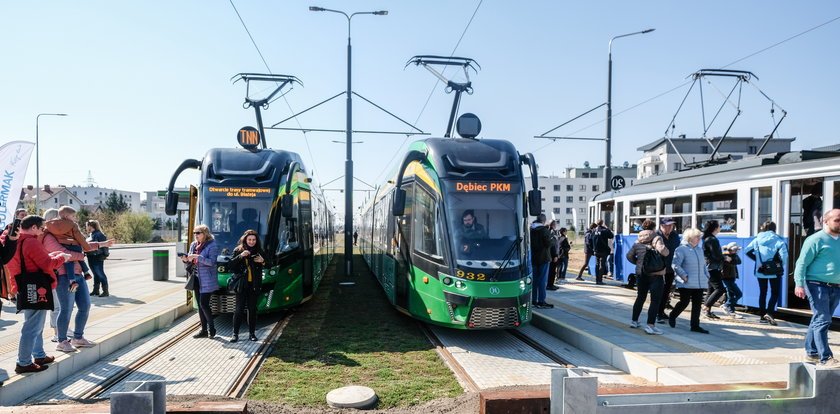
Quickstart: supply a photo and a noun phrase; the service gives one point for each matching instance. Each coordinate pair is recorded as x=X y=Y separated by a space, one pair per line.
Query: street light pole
x=608 y=167
x=37 y=161
x=348 y=164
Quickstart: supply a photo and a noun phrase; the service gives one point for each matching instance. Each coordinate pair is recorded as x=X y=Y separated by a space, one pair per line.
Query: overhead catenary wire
x=288 y=105
x=432 y=91
x=689 y=82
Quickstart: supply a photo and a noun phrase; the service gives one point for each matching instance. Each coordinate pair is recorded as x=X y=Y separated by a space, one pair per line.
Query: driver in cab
x=471 y=230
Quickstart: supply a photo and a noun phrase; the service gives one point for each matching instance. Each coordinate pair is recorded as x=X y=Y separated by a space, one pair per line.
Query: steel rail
x=243 y=381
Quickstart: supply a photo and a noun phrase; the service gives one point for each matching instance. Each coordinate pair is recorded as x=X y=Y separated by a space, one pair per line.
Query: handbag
x=191 y=275
x=34 y=289
x=234 y=283
x=771 y=267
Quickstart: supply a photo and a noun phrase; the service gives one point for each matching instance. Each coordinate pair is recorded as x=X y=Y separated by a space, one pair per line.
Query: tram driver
x=470 y=230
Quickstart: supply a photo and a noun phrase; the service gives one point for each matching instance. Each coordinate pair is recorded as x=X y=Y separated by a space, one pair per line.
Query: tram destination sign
x=240 y=192
x=484 y=187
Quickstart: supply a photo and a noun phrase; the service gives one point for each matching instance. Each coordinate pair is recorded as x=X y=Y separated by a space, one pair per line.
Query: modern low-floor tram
x=793 y=189
x=447 y=237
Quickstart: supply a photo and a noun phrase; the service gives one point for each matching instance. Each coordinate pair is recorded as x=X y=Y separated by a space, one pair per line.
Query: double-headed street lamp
x=608 y=167
x=37 y=162
x=348 y=168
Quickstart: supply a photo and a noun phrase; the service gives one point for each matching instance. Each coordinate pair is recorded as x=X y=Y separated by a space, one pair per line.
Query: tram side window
x=678 y=208
x=721 y=206
x=287 y=237
x=762 y=199
x=426 y=237
x=639 y=212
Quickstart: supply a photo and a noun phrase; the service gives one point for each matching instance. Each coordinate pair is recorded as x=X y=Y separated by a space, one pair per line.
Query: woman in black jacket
x=247 y=264
x=714 y=262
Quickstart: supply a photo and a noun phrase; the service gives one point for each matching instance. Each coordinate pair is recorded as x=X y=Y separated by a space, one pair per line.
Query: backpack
x=653 y=261
x=600 y=241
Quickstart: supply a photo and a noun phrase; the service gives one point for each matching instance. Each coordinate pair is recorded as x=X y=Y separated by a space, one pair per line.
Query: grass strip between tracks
x=351 y=335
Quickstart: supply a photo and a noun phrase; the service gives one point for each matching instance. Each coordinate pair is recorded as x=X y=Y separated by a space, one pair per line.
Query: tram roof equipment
x=428 y=61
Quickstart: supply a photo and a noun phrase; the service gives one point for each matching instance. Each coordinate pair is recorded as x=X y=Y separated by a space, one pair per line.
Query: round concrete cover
x=354 y=396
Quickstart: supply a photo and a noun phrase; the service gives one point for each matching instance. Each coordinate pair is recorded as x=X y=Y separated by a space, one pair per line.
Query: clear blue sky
x=147 y=85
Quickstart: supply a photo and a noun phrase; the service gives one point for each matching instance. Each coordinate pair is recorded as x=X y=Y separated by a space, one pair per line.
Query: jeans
x=652 y=283
x=695 y=296
x=204 y=312
x=540 y=278
x=600 y=267
x=97 y=267
x=824 y=300
x=56 y=310
x=81 y=297
x=716 y=289
x=562 y=267
x=70 y=267
x=246 y=300
x=765 y=307
x=31 y=336
x=733 y=294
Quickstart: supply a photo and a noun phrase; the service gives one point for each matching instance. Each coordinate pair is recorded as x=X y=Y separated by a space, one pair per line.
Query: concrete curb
x=20 y=387
x=627 y=361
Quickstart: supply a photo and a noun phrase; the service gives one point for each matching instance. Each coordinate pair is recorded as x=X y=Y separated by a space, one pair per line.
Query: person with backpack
x=601 y=250
x=540 y=258
x=768 y=246
x=96 y=259
x=648 y=254
x=672 y=241
x=555 y=255
x=587 y=250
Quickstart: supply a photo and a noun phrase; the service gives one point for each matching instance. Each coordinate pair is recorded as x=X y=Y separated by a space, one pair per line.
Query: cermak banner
x=14 y=158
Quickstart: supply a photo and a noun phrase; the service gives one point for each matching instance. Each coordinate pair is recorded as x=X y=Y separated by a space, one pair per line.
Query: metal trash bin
x=160 y=264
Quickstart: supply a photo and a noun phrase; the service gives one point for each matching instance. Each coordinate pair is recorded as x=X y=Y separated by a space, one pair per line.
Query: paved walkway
x=596 y=319
x=134 y=297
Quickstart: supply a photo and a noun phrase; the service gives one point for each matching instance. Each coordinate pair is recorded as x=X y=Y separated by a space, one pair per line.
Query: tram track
x=463 y=375
x=238 y=387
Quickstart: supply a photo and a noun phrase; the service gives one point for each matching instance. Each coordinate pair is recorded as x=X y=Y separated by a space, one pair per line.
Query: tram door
x=404 y=265
x=804 y=216
x=306 y=236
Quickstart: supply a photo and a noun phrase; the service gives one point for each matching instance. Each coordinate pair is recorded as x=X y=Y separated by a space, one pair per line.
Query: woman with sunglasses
x=203 y=253
x=247 y=264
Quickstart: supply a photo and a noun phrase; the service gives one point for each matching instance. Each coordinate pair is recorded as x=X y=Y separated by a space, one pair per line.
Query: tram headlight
x=447 y=281
x=521 y=285
x=527 y=280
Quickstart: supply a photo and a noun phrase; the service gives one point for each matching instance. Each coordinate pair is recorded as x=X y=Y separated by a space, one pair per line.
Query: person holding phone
x=247 y=264
x=203 y=254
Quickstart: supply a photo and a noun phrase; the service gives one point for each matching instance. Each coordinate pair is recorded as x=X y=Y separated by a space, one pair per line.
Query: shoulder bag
x=34 y=289
x=771 y=267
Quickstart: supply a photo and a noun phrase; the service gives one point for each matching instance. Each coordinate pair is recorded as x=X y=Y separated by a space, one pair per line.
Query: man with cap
x=729 y=273
x=672 y=241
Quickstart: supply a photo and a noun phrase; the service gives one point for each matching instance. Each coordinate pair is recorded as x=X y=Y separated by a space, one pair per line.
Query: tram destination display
x=240 y=192
x=484 y=187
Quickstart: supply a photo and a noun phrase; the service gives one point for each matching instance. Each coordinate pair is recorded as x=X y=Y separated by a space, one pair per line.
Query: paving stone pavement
x=734 y=351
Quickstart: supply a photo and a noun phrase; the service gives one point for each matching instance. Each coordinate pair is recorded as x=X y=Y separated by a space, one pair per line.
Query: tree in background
x=133 y=227
x=116 y=204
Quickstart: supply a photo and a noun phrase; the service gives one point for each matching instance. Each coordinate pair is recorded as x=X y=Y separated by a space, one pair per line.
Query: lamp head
x=381 y=12
x=315 y=8
x=648 y=30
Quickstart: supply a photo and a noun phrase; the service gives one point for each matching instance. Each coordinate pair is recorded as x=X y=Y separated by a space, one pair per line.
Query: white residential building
x=155 y=204
x=98 y=196
x=660 y=157
x=51 y=197
x=565 y=198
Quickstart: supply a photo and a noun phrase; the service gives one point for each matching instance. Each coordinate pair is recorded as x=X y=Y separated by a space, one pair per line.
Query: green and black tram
x=447 y=236
x=269 y=191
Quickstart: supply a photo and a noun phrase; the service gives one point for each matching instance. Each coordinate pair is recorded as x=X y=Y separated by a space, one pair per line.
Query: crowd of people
x=53 y=247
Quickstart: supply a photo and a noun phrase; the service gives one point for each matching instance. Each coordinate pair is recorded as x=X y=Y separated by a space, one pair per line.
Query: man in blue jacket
x=817 y=276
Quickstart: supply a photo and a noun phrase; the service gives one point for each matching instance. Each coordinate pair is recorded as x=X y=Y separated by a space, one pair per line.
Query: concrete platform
x=596 y=319
x=136 y=307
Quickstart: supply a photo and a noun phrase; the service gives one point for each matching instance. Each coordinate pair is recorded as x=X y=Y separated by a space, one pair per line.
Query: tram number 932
x=471 y=275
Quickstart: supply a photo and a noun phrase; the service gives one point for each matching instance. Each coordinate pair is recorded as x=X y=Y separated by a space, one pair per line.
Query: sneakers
x=578 y=278
x=812 y=358
x=104 y=294
x=29 y=368
x=234 y=338
x=830 y=363
x=45 y=360
x=200 y=334
x=253 y=338
x=635 y=324
x=725 y=311
x=710 y=315
x=699 y=329
x=82 y=343
x=94 y=293
x=768 y=319
x=552 y=287
x=65 y=346
x=54 y=338
x=653 y=330
x=662 y=318
x=544 y=306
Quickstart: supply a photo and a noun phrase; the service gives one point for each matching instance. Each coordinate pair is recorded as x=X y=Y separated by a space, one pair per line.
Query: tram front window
x=230 y=213
x=485 y=234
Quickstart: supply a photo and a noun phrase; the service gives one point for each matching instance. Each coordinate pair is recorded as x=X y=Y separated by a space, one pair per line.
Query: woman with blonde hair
x=203 y=252
x=691 y=276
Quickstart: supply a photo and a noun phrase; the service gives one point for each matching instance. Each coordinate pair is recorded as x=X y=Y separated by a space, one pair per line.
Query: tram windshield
x=231 y=210
x=486 y=229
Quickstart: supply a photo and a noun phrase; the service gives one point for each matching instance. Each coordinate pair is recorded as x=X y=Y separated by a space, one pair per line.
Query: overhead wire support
x=257 y=104
x=543 y=135
x=428 y=61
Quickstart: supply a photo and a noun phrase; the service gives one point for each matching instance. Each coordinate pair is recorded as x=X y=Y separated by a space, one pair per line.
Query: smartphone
x=181 y=254
x=15 y=227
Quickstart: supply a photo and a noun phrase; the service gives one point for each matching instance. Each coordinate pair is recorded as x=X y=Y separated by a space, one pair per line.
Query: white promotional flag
x=14 y=158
